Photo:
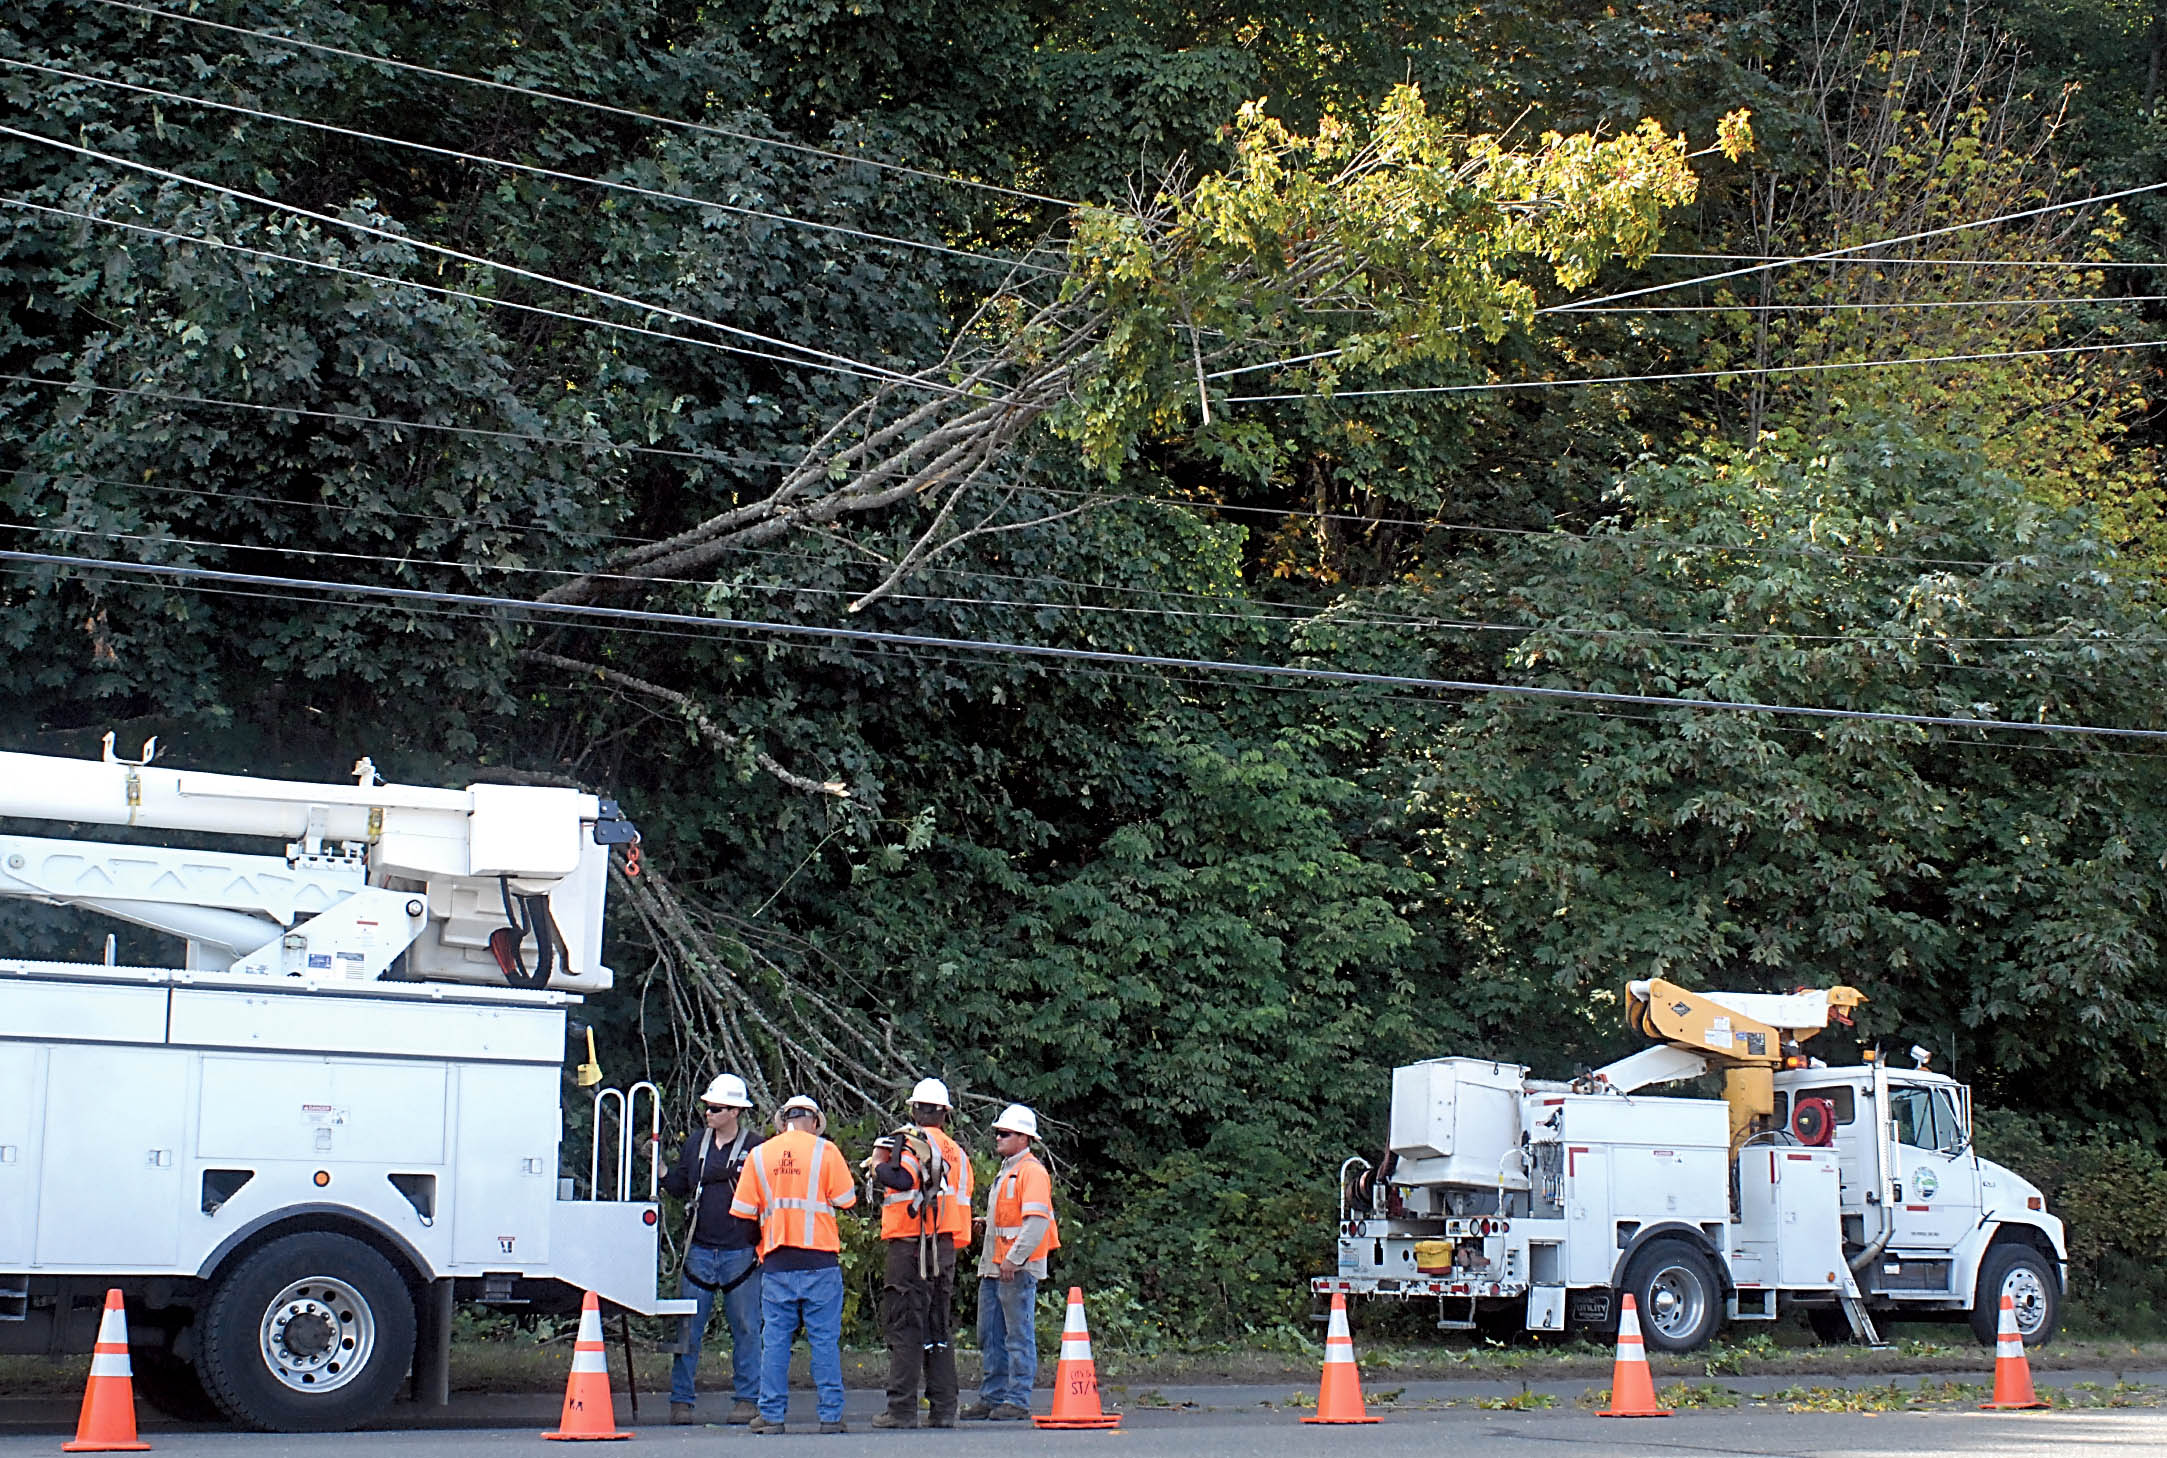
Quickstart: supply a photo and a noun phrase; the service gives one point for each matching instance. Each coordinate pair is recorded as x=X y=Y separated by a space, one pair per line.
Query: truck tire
x=1680 y=1300
x=2025 y=1276
x=311 y=1334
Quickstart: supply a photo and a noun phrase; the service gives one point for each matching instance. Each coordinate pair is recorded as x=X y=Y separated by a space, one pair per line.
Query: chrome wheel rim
x=318 y=1334
x=1677 y=1301
x=2028 y=1294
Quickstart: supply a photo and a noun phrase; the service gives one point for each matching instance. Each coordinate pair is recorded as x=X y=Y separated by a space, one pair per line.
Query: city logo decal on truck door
x=1925 y=1182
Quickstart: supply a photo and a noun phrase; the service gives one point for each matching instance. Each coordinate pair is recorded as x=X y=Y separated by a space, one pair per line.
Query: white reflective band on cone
x=587 y=1359
x=1075 y=1321
x=1338 y=1332
x=113 y=1328
x=1075 y=1348
x=111 y=1364
x=590 y=1329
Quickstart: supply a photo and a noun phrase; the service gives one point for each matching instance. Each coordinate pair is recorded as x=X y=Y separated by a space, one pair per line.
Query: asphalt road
x=1180 y=1433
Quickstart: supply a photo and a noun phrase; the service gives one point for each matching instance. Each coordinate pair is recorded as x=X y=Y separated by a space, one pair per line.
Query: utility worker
x=925 y=1218
x=1020 y=1233
x=792 y=1185
x=722 y=1252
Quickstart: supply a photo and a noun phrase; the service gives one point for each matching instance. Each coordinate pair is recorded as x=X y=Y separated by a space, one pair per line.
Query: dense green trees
x=1194 y=918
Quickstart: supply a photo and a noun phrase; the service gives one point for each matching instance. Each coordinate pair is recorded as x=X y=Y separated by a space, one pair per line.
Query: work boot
x=890 y=1420
x=940 y=1420
x=681 y=1413
x=837 y=1427
x=744 y=1412
x=762 y=1425
x=1009 y=1412
x=976 y=1412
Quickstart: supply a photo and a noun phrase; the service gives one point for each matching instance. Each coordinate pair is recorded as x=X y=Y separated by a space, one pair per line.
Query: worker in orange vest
x=793 y=1184
x=1020 y=1234
x=924 y=1182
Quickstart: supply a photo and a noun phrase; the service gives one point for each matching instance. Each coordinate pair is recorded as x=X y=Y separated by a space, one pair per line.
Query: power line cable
x=1851 y=364
x=1923 y=262
x=1749 y=308
x=574 y=177
x=597 y=106
x=1037 y=650
x=1329 y=617
x=439 y=289
x=817 y=358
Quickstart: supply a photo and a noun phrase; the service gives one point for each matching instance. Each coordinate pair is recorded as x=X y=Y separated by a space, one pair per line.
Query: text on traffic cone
x=2012 y=1369
x=589 y=1414
x=108 y=1421
x=1076 y=1380
x=1339 y=1394
x=1632 y=1389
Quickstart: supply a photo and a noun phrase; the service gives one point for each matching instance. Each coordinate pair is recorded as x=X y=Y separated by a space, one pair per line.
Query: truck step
x=14 y=1299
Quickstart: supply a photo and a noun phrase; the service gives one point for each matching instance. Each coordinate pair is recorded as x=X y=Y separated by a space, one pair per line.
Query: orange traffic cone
x=1076 y=1380
x=1632 y=1389
x=2012 y=1370
x=108 y=1421
x=589 y=1415
x=1339 y=1394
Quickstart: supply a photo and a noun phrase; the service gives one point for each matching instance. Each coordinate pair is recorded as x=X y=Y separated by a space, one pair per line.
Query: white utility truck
x=1841 y=1192
x=338 y=1114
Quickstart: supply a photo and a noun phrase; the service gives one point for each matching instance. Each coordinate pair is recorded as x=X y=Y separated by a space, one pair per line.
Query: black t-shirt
x=714 y=1225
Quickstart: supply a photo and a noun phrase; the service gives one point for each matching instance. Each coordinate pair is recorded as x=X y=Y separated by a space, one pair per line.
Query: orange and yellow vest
x=1019 y=1192
x=948 y=1212
x=793 y=1184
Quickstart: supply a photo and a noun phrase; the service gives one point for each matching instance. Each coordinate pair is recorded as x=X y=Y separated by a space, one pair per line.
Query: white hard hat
x=728 y=1090
x=800 y=1104
x=1018 y=1119
x=931 y=1091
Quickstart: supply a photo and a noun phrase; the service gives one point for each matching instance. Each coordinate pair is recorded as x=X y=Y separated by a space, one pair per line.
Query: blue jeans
x=814 y=1298
x=740 y=1308
x=1008 y=1338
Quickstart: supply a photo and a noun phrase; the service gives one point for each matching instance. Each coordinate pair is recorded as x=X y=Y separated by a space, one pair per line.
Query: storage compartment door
x=504 y=1170
x=1591 y=1247
x=21 y=1076
x=111 y=1179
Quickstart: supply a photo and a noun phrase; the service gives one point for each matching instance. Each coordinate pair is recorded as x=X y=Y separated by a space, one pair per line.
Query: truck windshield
x=1925 y=1118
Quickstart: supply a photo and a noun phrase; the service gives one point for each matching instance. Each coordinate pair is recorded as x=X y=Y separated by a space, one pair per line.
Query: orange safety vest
x=948 y=1212
x=793 y=1184
x=1019 y=1193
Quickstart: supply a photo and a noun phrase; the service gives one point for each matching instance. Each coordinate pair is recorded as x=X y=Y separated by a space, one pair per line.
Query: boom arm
x=1747 y=1034
x=457 y=883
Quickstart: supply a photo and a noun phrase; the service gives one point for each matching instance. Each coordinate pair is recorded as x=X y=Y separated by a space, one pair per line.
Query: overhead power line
x=1754 y=308
x=618 y=325
x=1842 y=364
x=1923 y=262
x=561 y=99
x=598 y=613
x=529 y=169
x=820 y=359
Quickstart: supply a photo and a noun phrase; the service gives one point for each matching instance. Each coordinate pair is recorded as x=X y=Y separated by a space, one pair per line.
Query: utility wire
x=1330 y=617
x=531 y=170
x=1749 y=308
x=818 y=358
x=603 y=107
x=1923 y=262
x=1850 y=364
x=439 y=289
x=703 y=457
x=586 y=611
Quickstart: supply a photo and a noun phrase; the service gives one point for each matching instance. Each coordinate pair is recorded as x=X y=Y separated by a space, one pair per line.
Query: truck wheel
x=1680 y=1301
x=311 y=1334
x=2027 y=1278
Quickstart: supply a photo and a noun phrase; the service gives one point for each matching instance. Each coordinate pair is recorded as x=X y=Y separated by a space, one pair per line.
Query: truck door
x=111 y=1176
x=21 y=1070
x=1939 y=1182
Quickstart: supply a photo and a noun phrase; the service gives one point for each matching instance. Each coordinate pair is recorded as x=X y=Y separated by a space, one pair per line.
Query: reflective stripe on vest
x=808 y=1207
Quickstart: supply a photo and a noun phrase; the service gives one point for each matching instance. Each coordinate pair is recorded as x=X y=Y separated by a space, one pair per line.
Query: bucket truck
x=338 y=1111
x=1844 y=1193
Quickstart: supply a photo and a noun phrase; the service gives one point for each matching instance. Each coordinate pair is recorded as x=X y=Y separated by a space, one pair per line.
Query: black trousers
x=917 y=1315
